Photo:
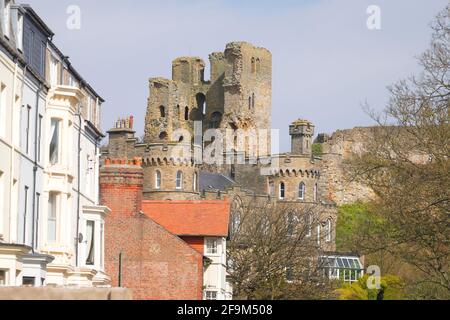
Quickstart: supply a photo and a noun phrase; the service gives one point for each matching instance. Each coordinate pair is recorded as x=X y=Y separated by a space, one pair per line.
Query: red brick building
x=161 y=242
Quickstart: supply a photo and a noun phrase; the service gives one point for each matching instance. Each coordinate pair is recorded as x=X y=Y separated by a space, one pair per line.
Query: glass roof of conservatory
x=341 y=262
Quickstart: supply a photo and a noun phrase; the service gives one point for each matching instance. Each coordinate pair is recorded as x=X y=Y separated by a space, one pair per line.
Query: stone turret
x=301 y=132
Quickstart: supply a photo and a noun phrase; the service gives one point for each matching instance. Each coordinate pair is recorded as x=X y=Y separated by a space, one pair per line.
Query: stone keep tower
x=301 y=132
x=237 y=96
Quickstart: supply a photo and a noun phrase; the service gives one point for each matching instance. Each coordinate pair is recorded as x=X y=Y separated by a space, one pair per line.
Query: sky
x=326 y=61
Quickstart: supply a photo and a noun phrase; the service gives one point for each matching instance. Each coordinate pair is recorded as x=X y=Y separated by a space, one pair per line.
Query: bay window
x=55 y=129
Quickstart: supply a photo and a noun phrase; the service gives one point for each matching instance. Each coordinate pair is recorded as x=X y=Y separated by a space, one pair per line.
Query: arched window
x=308 y=223
x=178 y=111
x=301 y=191
x=282 y=190
x=258 y=65
x=186 y=113
x=163 y=135
x=216 y=118
x=328 y=230
x=315 y=192
x=201 y=103
x=157 y=179
x=253 y=65
x=253 y=100
x=195 y=181
x=271 y=188
x=249 y=102
x=179 y=180
x=162 y=111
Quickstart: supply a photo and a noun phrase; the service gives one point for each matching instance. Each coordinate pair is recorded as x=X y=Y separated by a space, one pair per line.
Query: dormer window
x=20 y=32
x=7 y=18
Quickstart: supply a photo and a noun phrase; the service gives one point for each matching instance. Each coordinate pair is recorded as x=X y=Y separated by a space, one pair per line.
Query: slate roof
x=214 y=181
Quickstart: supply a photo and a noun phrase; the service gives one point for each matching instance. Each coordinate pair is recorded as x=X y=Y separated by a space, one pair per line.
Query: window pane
x=51 y=219
x=54 y=141
x=90 y=242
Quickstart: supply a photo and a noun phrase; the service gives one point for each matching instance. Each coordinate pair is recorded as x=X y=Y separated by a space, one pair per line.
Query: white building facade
x=51 y=226
x=216 y=286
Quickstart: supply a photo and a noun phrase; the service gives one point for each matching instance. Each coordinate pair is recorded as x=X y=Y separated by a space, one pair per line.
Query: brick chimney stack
x=121 y=186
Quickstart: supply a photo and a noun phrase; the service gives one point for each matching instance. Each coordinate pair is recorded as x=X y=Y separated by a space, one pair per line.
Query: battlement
x=136 y=161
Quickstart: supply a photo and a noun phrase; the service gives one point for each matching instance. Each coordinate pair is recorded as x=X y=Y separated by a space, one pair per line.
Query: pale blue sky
x=326 y=62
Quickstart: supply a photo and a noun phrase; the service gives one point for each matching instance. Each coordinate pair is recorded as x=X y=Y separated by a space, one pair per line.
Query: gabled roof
x=190 y=218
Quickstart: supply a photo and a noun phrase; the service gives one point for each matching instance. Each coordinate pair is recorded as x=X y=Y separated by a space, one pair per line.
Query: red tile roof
x=190 y=218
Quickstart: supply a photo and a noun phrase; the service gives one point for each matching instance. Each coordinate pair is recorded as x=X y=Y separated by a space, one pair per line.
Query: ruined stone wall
x=337 y=149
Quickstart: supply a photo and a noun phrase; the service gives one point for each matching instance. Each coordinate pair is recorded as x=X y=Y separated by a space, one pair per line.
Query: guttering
x=77 y=237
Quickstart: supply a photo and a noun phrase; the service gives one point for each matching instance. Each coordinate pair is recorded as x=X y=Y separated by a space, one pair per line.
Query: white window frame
x=158 y=179
x=179 y=180
x=20 y=31
x=210 y=295
x=55 y=196
x=328 y=228
x=212 y=246
x=195 y=181
x=90 y=243
x=301 y=191
x=53 y=71
x=58 y=128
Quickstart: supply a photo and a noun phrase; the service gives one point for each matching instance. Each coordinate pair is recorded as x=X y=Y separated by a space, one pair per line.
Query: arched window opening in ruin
x=253 y=100
x=216 y=118
x=301 y=191
x=249 y=102
x=180 y=139
x=315 y=192
x=282 y=190
x=179 y=180
x=162 y=111
x=253 y=65
x=163 y=135
x=186 y=113
x=201 y=102
x=258 y=65
x=158 y=179
x=178 y=111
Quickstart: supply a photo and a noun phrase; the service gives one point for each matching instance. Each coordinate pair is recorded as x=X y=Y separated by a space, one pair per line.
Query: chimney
x=121 y=186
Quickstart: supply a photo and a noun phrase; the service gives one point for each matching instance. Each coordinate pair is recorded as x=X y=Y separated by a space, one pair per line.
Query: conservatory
x=347 y=268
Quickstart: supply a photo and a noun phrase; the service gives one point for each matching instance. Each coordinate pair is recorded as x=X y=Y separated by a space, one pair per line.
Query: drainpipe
x=78 y=239
x=34 y=229
x=13 y=147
